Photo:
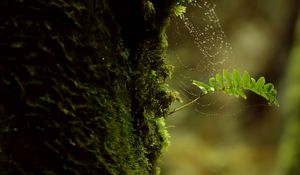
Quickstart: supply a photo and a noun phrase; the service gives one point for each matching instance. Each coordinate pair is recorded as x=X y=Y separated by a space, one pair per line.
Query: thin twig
x=184 y=106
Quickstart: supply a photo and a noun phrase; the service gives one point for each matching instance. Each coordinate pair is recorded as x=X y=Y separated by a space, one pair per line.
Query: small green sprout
x=235 y=84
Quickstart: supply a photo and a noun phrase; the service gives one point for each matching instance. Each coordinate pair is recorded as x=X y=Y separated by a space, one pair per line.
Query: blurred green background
x=223 y=135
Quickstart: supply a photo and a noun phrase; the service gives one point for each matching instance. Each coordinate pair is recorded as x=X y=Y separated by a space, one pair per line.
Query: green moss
x=149 y=10
x=179 y=10
x=82 y=87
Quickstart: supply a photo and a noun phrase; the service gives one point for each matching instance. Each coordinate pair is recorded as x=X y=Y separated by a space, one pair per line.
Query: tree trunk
x=82 y=86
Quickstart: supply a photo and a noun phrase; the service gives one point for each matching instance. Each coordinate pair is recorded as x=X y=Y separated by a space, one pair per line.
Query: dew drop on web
x=198 y=48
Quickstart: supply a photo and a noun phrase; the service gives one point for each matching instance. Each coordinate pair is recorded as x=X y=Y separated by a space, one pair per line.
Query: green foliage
x=234 y=84
x=180 y=7
x=179 y=10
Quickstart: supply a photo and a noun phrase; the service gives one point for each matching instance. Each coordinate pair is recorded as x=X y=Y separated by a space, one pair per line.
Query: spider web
x=198 y=49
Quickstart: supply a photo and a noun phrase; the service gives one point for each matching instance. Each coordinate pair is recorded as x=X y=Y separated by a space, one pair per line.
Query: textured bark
x=82 y=86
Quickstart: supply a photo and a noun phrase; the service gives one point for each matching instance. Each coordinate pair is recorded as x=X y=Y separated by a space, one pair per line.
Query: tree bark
x=82 y=86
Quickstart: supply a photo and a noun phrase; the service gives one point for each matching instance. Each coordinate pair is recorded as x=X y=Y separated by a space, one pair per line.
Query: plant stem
x=184 y=106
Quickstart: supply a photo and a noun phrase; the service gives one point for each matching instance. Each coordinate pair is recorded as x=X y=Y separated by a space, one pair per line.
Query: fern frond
x=235 y=84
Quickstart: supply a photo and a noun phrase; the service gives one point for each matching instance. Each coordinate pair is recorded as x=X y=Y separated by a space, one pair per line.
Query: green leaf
x=260 y=83
x=236 y=78
x=266 y=96
x=246 y=80
x=212 y=82
x=253 y=82
x=204 y=87
x=241 y=93
x=235 y=84
x=227 y=78
x=268 y=87
x=228 y=91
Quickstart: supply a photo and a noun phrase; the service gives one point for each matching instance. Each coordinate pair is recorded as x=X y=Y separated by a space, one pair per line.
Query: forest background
x=222 y=135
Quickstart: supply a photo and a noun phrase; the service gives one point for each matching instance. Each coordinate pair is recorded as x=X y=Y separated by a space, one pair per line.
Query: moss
x=82 y=86
x=149 y=10
x=179 y=10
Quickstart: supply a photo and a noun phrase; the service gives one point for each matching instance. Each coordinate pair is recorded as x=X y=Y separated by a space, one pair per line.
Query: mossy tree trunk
x=82 y=86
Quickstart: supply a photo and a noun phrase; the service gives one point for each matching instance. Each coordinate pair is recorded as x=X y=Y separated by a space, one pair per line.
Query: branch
x=184 y=106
